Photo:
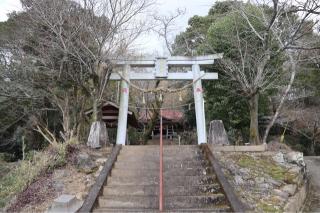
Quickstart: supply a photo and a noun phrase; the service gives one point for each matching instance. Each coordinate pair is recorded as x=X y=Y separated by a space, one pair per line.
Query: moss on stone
x=267 y=207
x=265 y=165
x=270 y=204
x=291 y=178
x=246 y=161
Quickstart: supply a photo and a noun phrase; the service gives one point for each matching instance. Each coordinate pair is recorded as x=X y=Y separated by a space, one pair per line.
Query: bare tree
x=305 y=122
x=80 y=38
x=164 y=27
x=276 y=29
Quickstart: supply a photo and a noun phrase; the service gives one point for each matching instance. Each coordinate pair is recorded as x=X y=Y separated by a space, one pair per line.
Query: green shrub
x=60 y=156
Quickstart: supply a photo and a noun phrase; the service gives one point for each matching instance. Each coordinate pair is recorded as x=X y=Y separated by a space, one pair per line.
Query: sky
x=152 y=43
x=148 y=43
x=7 y=6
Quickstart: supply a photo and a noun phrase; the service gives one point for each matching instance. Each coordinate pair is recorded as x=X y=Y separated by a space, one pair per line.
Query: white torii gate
x=161 y=66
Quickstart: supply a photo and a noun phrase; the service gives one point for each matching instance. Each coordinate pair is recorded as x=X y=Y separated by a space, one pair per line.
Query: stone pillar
x=98 y=135
x=217 y=133
x=199 y=105
x=124 y=104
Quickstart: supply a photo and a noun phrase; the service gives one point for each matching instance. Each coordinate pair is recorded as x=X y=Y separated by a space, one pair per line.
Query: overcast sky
x=152 y=43
x=149 y=43
x=7 y=6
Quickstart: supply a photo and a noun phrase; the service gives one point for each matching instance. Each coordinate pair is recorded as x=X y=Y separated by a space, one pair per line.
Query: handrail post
x=161 y=167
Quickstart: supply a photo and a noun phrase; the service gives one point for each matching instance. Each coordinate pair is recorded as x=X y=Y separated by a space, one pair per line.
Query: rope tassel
x=180 y=97
x=143 y=99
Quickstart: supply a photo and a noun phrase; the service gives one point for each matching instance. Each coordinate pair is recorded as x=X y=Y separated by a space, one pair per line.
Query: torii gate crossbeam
x=161 y=66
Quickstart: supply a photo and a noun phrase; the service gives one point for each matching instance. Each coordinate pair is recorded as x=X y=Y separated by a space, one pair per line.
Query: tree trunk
x=283 y=98
x=150 y=126
x=64 y=105
x=95 y=110
x=254 y=127
x=152 y=122
x=312 y=147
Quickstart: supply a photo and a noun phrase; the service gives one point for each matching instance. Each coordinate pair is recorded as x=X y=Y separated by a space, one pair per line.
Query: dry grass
x=27 y=171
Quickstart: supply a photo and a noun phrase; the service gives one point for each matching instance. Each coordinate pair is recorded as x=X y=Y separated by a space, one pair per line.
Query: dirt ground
x=36 y=197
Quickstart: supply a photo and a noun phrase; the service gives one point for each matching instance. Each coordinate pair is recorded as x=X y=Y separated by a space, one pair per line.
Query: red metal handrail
x=161 y=167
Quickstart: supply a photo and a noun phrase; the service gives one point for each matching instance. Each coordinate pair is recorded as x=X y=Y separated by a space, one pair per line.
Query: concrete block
x=65 y=203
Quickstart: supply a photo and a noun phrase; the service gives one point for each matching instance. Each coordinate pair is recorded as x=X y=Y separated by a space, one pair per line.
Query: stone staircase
x=189 y=184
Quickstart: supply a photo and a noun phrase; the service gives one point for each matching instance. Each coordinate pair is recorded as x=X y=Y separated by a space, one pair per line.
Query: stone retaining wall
x=296 y=202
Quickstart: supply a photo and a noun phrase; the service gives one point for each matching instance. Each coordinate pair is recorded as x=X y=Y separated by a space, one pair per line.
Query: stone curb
x=229 y=148
x=236 y=204
x=97 y=188
x=296 y=202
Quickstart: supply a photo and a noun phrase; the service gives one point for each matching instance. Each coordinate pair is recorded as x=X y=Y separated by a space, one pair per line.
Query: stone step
x=189 y=185
x=218 y=208
x=167 y=171
x=156 y=149
x=156 y=158
x=150 y=147
x=154 y=190
x=155 y=162
x=155 y=155
x=170 y=202
x=169 y=181
x=155 y=165
x=147 y=157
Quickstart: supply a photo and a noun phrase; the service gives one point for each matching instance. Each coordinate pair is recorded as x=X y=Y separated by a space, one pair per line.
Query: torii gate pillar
x=199 y=105
x=124 y=104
